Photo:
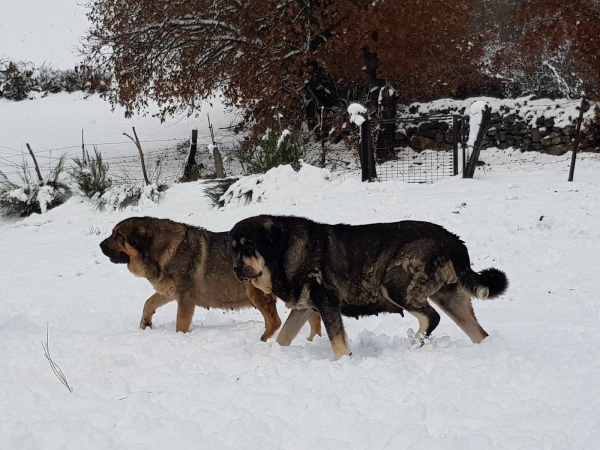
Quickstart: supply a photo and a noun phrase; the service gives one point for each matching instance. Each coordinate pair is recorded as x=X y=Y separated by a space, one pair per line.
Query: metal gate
x=386 y=155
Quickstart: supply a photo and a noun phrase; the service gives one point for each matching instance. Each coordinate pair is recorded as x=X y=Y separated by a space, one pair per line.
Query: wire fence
x=165 y=159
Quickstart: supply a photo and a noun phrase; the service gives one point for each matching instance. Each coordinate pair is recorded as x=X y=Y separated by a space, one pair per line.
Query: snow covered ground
x=533 y=384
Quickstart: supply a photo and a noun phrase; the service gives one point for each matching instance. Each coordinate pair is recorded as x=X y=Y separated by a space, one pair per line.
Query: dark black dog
x=359 y=270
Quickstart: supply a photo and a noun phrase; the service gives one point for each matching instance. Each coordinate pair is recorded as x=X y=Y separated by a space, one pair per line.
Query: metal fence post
x=454 y=145
x=366 y=153
x=584 y=107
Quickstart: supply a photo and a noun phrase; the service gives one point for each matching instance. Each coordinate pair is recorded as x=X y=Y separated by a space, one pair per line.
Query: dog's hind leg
x=150 y=307
x=427 y=316
x=293 y=324
x=456 y=302
x=267 y=305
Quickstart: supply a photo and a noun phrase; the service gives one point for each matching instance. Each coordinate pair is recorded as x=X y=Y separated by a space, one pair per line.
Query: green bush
x=21 y=199
x=273 y=150
x=90 y=175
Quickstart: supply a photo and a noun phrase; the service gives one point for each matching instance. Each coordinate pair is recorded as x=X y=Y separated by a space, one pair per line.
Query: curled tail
x=487 y=284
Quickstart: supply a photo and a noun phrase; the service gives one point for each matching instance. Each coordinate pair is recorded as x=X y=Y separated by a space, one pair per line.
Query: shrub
x=19 y=79
x=90 y=175
x=216 y=188
x=273 y=150
x=28 y=196
x=125 y=195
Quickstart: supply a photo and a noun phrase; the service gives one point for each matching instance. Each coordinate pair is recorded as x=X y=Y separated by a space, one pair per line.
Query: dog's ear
x=141 y=239
x=273 y=233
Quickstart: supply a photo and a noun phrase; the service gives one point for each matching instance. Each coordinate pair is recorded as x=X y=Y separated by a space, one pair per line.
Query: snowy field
x=533 y=384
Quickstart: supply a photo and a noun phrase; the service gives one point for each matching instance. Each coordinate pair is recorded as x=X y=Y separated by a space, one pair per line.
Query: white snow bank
x=278 y=183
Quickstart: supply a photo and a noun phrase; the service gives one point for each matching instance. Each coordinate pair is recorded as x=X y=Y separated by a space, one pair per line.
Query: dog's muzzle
x=115 y=257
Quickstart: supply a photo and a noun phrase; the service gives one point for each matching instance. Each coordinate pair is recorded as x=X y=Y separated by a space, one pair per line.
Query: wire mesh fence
x=393 y=159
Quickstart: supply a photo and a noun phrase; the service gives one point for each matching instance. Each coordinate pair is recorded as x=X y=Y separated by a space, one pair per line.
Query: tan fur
x=257 y=264
x=293 y=324
x=315 y=326
x=457 y=305
x=212 y=283
x=340 y=346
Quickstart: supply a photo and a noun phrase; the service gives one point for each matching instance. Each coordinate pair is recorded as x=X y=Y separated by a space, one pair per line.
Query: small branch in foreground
x=57 y=372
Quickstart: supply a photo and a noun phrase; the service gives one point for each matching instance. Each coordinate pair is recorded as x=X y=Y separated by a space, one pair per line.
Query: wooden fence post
x=37 y=168
x=483 y=127
x=137 y=143
x=583 y=108
x=219 y=169
x=190 y=171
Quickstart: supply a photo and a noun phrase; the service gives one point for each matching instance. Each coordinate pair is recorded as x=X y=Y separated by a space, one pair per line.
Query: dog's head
x=255 y=242
x=131 y=238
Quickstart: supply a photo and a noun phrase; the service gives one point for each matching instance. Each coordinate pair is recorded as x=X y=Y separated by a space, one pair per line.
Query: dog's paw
x=416 y=340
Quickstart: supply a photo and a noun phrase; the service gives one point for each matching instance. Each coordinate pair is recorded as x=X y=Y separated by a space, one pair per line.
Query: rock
x=557 y=140
x=553 y=135
x=569 y=130
x=549 y=123
x=565 y=139
x=503 y=146
x=502 y=137
x=527 y=142
x=556 y=150
x=430 y=133
x=439 y=138
x=511 y=118
x=535 y=135
x=420 y=143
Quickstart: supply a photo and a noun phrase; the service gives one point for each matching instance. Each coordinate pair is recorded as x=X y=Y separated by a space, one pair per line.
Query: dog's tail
x=487 y=284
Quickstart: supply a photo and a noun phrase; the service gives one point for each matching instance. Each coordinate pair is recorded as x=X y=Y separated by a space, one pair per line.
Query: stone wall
x=511 y=126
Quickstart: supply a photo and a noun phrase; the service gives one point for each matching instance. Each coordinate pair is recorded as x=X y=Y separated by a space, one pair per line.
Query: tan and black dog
x=190 y=265
x=362 y=270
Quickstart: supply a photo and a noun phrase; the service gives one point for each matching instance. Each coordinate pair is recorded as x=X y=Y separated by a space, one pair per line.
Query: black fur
x=360 y=270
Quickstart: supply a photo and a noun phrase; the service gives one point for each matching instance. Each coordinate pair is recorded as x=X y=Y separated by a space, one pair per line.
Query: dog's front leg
x=328 y=306
x=150 y=307
x=185 y=313
x=293 y=324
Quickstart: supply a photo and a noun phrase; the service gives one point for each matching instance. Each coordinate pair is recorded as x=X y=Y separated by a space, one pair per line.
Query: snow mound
x=356 y=110
x=278 y=183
